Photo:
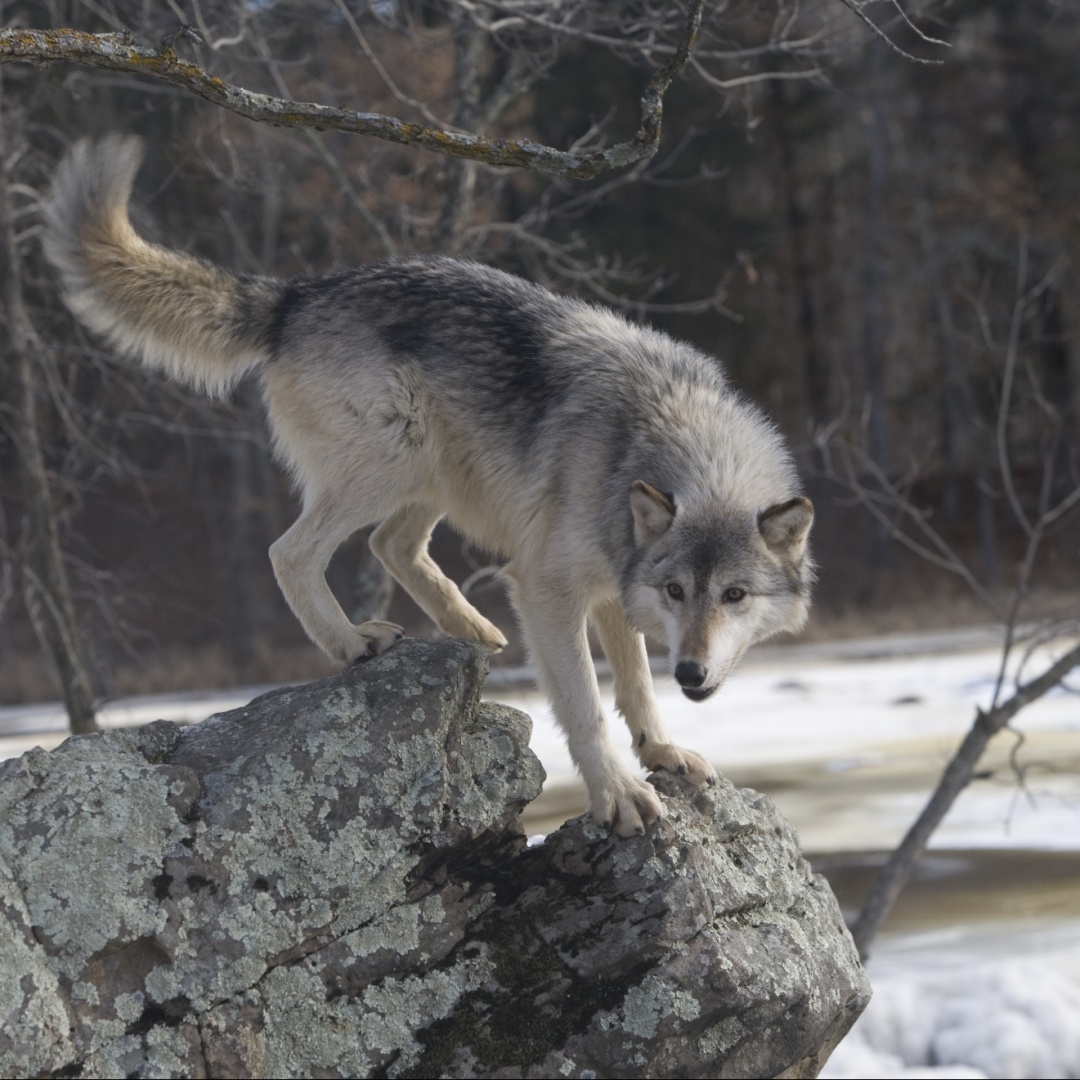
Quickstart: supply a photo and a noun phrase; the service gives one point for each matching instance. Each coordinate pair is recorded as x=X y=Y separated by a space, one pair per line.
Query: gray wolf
x=616 y=470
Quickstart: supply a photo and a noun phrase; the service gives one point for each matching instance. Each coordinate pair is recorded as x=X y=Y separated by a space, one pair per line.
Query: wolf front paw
x=488 y=634
x=472 y=625
x=627 y=806
x=675 y=759
x=373 y=638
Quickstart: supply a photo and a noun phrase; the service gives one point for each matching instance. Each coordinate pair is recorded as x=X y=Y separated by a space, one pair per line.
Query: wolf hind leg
x=300 y=557
x=554 y=625
x=401 y=544
x=636 y=700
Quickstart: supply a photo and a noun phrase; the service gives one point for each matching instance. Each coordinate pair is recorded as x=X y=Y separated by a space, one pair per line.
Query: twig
x=1007 y=379
x=856 y=7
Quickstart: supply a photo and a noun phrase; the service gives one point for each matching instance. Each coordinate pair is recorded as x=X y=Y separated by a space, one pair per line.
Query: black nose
x=690 y=673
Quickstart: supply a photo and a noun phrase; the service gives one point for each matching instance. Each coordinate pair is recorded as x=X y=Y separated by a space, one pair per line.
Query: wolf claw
x=376 y=637
x=675 y=759
x=628 y=808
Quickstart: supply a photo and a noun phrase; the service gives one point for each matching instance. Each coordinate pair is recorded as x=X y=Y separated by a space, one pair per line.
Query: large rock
x=332 y=882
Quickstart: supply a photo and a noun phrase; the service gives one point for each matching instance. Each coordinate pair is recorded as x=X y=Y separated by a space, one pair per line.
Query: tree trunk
x=815 y=374
x=875 y=313
x=44 y=574
x=458 y=180
x=961 y=409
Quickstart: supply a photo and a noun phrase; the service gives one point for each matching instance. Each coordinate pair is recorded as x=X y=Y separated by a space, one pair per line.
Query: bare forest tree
x=117 y=52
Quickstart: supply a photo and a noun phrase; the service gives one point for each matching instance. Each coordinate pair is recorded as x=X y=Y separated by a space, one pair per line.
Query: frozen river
x=979 y=973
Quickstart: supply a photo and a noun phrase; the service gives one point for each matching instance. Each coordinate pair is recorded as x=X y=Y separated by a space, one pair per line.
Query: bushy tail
x=194 y=321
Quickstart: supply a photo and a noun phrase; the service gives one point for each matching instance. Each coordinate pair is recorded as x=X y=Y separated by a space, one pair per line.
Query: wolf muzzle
x=691 y=676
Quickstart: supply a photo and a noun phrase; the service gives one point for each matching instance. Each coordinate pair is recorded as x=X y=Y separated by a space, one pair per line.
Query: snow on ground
x=1001 y=1003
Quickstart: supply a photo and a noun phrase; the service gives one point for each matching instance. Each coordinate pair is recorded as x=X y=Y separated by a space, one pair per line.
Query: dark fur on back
x=428 y=311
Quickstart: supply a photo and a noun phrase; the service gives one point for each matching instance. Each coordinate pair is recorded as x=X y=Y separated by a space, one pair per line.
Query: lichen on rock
x=333 y=881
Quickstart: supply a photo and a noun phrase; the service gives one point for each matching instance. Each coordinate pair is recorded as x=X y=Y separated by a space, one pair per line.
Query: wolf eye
x=734 y=595
x=674 y=590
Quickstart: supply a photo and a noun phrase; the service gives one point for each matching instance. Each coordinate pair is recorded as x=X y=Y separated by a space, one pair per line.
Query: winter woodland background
x=872 y=244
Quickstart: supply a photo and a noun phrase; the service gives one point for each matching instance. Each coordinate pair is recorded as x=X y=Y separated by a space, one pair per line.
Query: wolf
x=623 y=479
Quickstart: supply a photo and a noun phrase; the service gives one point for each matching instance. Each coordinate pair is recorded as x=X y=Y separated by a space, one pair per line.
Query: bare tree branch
x=1007 y=379
x=890 y=507
x=117 y=52
x=956 y=777
x=857 y=7
x=323 y=152
x=383 y=74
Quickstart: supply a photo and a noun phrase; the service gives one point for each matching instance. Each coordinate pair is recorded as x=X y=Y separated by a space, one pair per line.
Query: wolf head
x=711 y=581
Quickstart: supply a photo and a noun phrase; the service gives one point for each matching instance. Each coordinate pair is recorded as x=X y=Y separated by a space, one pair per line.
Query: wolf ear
x=785 y=525
x=653 y=512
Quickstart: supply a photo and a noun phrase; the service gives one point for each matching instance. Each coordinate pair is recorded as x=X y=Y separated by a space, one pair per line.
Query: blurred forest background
x=881 y=250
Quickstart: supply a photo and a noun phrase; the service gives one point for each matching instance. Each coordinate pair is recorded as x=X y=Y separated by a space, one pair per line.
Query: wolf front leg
x=300 y=558
x=636 y=701
x=555 y=629
x=401 y=544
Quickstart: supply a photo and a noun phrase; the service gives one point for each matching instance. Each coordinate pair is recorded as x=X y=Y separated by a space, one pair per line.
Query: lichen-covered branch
x=118 y=52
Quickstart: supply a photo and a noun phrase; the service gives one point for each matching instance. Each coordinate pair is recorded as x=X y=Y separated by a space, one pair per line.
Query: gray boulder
x=332 y=881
